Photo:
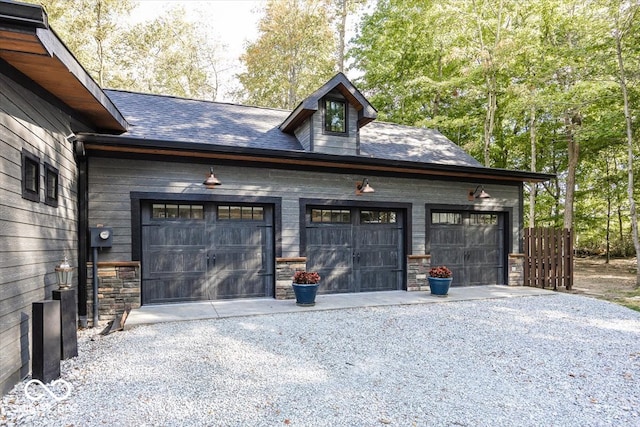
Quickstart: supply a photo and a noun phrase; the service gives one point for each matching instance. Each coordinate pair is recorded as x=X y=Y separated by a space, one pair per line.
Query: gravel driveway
x=561 y=360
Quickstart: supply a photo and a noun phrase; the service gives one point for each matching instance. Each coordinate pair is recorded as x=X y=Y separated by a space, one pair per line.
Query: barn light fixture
x=211 y=180
x=478 y=193
x=364 y=187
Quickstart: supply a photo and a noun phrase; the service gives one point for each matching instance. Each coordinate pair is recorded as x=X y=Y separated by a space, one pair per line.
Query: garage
x=205 y=251
x=471 y=244
x=355 y=249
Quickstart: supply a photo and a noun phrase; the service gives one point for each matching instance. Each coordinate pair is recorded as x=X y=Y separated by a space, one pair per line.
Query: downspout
x=83 y=226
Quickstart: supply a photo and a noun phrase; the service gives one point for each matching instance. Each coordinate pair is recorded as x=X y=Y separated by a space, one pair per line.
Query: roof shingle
x=157 y=117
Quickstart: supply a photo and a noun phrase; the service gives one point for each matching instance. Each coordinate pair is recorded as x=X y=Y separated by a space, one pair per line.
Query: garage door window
x=483 y=219
x=241 y=213
x=377 y=217
x=446 y=218
x=173 y=211
x=340 y=216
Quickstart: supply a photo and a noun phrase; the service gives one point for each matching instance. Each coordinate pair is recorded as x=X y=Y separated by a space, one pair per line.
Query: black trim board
x=137 y=198
x=117 y=146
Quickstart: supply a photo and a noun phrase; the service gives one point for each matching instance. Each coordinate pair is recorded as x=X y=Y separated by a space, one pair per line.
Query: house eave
x=107 y=145
x=29 y=45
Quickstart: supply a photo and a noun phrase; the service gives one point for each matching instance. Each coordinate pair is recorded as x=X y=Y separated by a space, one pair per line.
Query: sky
x=229 y=23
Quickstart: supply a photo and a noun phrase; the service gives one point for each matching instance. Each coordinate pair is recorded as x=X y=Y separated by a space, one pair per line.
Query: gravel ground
x=557 y=360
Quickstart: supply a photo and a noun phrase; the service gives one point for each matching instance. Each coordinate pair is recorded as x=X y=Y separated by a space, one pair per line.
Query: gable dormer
x=329 y=120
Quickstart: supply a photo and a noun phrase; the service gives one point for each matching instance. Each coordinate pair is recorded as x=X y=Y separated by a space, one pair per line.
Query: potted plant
x=305 y=286
x=440 y=278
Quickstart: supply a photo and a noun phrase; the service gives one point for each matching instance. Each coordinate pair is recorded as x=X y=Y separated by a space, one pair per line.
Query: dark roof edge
x=158 y=146
x=56 y=47
x=23 y=15
x=34 y=18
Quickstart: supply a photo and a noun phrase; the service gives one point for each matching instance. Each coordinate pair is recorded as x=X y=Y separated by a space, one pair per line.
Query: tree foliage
x=293 y=55
x=168 y=55
x=520 y=84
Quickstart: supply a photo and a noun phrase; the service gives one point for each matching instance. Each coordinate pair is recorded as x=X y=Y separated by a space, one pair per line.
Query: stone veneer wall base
x=118 y=287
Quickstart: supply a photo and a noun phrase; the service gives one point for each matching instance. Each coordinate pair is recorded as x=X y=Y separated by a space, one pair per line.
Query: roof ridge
x=194 y=100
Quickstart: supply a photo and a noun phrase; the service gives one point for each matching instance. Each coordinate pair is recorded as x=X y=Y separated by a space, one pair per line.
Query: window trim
x=28 y=193
x=51 y=201
x=324 y=116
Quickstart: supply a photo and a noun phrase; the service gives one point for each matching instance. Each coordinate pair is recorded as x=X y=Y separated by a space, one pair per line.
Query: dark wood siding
x=471 y=245
x=112 y=181
x=33 y=235
x=355 y=256
x=209 y=257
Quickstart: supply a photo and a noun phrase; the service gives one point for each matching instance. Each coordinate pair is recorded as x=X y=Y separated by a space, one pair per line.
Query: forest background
x=548 y=85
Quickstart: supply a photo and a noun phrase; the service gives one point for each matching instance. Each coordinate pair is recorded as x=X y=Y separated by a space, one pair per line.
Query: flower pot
x=440 y=285
x=305 y=294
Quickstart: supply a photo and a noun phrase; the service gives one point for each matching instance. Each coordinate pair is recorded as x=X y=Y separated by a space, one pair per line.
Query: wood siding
x=303 y=133
x=112 y=180
x=33 y=236
x=328 y=143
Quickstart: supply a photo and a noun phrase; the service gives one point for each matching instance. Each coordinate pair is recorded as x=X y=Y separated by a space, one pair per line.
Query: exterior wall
x=34 y=237
x=118 y=287
x=417 y=272
x=516 y=269
x=303 y=133
x=112 y=180
x=335 y=144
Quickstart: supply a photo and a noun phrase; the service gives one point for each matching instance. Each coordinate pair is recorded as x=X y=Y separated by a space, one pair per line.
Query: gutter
x=96 y=144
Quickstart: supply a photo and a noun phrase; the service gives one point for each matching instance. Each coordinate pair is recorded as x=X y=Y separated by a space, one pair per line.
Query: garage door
x=471 y=244
x=354 y=249
x=194 y=252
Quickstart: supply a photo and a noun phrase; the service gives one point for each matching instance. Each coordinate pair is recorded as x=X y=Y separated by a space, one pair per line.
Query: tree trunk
x=608 y=232
x=489 y=119
x=573 y=149
x=627 y=116
x=532 y=192
x=342 y=29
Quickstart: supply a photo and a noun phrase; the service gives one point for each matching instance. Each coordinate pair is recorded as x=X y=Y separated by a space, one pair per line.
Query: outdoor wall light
x=364 y=187
x=211 y=180
x=64 y=272
x=478 y=193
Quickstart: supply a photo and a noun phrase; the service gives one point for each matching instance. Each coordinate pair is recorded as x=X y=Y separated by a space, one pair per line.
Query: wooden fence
x=548 y=258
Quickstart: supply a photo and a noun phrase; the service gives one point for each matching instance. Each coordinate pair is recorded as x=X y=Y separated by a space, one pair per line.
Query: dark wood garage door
x=471 y=244
x=354 y=249
x=194 y=252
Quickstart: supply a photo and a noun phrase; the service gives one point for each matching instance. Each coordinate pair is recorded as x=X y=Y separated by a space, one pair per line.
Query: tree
x=168 y=55
x=625 y=21
x=292 y=56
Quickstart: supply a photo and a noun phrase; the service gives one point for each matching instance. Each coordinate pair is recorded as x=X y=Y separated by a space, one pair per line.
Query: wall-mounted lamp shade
x=364 y=187
x=64 y=274
x=211 y=181
x=478 y=193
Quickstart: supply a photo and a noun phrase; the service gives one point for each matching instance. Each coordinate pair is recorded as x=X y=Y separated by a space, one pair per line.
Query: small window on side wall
x=50 y=185
x=335 y=116
x=30 y=177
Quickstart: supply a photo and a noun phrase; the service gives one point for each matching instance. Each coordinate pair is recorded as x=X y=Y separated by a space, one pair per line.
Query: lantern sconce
x=64 y=274
x=211 y=182
x=363 y=187
x=478 y=193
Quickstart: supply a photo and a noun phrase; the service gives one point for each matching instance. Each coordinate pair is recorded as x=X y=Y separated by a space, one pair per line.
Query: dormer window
x=335 y=116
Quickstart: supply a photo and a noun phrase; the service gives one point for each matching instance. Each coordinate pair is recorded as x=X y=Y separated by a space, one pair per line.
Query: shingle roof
x=167 y=118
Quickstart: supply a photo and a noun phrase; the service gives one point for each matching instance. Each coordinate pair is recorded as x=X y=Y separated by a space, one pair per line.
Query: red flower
x=306 y=278
x=440 y=271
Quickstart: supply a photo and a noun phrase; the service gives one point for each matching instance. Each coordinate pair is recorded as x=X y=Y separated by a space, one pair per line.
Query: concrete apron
x=149 y=314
